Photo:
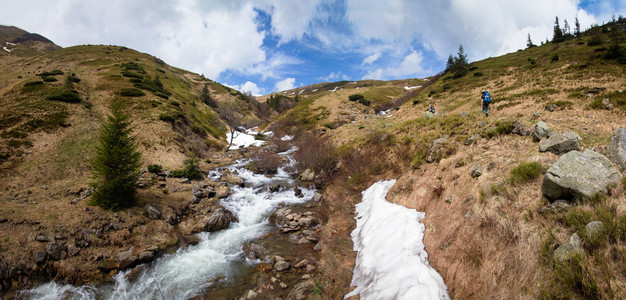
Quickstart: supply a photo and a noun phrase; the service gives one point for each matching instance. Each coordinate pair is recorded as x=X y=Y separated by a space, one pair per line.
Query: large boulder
x=541 y=130
x=126 y=258
x=616 y=151
x=561 y=143
x=579 y=174
x=218 y=220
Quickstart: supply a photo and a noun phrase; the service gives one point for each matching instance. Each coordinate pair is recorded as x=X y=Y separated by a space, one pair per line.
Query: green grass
x=525 y=172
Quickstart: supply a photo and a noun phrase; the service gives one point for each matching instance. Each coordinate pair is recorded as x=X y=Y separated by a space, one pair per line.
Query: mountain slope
x=488 y=237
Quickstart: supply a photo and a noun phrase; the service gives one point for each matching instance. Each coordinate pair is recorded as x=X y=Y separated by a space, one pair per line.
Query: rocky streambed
x=242 y=235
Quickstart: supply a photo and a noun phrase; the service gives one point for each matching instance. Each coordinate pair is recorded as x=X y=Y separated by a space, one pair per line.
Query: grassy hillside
x=492 y=236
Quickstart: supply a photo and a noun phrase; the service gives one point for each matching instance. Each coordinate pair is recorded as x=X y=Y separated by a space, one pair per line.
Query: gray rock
x=568 y=250
x=307 y=175
x=594 y=231
x=281 y=265
x=72 y=250
x=582 y=174
x=472 y=139
x=146 y=256
x=222 y=191
x=616 y=151
x=126 y=258
x=520 y=129
x=172 y=220
x=317 y=197
x=251 y=294
x=107 y=265
x=219 y=219
x=151 y=212
x=185 y=180
x=41 y=238
x=561 y=143
x=274 y=188
x=476 y=172
x=435 y=147
x=550 y=107
x=56 y=250
x=41 y=257
x=541 y=130
x=607 y=104
x=298 y=192
x=301 y=290
x=318 y=247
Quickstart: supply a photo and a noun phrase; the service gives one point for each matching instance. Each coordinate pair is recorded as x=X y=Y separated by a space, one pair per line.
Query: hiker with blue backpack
x=486 y=100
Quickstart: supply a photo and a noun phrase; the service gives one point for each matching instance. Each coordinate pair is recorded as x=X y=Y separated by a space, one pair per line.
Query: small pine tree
x=566 y=27
x=450 y=63
x=529 y=42
x=576 y=27
x=462 y=57
x=557 y=35
x=116 y=165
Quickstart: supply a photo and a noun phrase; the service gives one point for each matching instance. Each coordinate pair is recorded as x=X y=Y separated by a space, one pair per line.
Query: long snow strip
x=391 y=262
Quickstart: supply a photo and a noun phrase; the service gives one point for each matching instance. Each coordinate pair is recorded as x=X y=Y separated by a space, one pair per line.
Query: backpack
x=487 y=98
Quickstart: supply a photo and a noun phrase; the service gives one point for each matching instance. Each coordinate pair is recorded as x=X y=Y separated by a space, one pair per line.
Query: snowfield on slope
x=391 y=262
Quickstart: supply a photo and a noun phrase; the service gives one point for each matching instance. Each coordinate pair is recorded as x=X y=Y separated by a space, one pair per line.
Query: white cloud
x=334 y=76
x=409 y=66
x=285 y=84
x=291 y=19
x=371 y=59
x=250 y=87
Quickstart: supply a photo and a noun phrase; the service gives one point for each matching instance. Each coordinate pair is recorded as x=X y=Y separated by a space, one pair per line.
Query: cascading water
x=192 y=271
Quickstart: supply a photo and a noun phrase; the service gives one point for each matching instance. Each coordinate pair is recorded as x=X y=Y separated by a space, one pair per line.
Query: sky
x=265 y=46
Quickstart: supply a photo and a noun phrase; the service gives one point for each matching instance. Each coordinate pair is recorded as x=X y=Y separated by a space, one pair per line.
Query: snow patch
x=302 y=91
x=6 y=49
x=411 y=87
x=287 y=138
x=9 y=43
x=244 y=139
x=335 y=89
x=391 y=262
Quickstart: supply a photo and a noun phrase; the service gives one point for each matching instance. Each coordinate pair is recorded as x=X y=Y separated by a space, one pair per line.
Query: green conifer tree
x=116 y=165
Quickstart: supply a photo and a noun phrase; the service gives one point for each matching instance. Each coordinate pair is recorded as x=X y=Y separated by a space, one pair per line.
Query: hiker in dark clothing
x=431 y=109
x=485 y=101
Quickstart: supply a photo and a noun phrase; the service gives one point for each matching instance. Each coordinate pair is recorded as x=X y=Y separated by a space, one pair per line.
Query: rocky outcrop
x=616 y=151
x=126 y=258
x=570 y=249
x=472 y=139
x=436 y=148
x=583 y=174
x=476 y=171
x=541 y=130
x=561 y=143
x=294 y=221
x=307 y=175
x=520 y=129
x=152 y=212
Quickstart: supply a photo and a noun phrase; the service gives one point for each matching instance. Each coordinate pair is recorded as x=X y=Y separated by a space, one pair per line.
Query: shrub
x=555 y=57
x=365 y=102
x=477 y=74
x=355 y=97
x=191 y=170
x=317 y=154
x=167 y=118
x=49 y=79
x=131 y=74
x=501 y=128
x=155 y=168
x=52 y=73
x=31 y=86
x=532 y=61
x=131 y=92
x=265 y=163
x=116 y=164
x=416 y=101
x=595 y=40
x=72 y=78
x=525 y=172
x=69 y=96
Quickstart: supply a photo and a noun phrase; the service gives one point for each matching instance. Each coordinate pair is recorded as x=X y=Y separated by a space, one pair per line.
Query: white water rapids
x=191 y=271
